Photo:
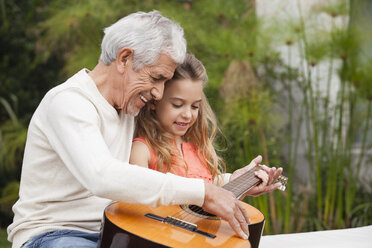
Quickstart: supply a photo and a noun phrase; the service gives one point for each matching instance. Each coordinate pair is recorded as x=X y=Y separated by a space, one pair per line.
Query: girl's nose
x=186 y=113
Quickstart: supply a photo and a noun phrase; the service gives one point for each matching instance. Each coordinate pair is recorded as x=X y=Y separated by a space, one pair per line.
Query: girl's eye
x=194 y=107
x=177 y=105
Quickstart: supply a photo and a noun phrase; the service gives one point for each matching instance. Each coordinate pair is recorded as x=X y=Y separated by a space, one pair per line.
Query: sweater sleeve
x=73 y=130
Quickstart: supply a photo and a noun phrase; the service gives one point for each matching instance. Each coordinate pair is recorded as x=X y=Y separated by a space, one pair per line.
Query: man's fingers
x=244 y=213
x=224 y=204
x=237 y=227
x=243 y=218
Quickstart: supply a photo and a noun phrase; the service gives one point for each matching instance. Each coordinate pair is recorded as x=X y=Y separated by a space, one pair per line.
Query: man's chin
x=132 y=111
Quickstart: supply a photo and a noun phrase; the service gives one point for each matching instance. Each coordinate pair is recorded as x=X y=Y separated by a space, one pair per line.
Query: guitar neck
x=243 y=183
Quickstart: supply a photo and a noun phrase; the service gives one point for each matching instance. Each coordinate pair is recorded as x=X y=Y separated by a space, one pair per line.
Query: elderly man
x=80 y=136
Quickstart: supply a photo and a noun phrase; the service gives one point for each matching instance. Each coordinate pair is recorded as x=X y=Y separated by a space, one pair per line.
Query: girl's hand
x=266 y=174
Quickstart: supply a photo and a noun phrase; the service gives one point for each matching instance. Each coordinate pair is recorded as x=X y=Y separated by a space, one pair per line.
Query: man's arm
x=74 y=133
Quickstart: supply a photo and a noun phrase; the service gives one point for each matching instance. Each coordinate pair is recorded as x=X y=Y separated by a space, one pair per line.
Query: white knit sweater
x=76 y=162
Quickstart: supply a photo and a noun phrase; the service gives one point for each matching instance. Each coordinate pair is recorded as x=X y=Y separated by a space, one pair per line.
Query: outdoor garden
x=295 y=88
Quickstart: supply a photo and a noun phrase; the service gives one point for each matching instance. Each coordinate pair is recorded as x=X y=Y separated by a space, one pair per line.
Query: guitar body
x=128 y=225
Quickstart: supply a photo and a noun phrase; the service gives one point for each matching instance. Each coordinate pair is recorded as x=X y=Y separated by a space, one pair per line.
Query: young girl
x=176 y=134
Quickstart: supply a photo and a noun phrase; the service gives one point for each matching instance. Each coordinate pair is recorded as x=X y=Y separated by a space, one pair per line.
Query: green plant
x=331 y=124
x=12 y=140
x=4 y=243
x=325 y=125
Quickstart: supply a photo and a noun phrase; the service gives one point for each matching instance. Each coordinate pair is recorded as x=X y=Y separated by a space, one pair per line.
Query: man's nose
x=157 y=91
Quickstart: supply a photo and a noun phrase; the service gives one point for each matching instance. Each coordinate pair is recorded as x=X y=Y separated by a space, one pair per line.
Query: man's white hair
x=148 y=34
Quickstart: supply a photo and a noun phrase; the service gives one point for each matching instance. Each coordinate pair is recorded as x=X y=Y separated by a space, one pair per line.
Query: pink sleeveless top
x=195 y=167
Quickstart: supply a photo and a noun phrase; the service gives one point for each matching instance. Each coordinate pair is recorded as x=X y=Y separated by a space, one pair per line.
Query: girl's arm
x=140 y=154
x=266 y=174
x=222 y=180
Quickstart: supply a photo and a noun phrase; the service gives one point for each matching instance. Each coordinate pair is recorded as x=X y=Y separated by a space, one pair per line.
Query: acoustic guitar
x=132 y=225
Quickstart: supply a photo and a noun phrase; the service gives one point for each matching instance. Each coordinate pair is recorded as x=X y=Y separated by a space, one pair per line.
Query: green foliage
x=9 y=196
x=22 y=73
x=74 y=29
x=330 y=128
x=248 y=122
x=4 y=243
x=12 y=141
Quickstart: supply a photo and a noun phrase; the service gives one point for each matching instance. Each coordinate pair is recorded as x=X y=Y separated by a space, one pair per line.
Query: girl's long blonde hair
x=202 y=133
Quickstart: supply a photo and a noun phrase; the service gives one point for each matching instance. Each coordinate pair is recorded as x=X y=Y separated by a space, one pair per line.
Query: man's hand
x=266 y=174
x=223 y=203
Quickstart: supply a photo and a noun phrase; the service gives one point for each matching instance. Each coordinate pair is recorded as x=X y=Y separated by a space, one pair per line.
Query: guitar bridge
x=181 y=224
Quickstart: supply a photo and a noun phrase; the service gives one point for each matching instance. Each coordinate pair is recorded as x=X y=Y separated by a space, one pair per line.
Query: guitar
x=133 y=225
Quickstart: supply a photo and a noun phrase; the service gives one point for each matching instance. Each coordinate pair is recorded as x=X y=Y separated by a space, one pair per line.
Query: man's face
x=145 y=84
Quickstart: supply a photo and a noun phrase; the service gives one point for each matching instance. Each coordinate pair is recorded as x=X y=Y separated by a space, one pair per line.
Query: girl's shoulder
x=142 y=149
x=140 y=153
x=141 y=145
x=141 y=142
x=140 y=139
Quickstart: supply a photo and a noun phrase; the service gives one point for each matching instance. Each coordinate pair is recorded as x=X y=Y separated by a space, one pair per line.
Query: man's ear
x=124 y=58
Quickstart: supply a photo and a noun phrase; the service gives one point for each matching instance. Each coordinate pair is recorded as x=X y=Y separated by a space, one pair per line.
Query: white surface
x=360 y=237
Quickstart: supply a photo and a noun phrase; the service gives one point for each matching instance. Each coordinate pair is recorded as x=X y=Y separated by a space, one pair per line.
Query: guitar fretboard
x=243 y=183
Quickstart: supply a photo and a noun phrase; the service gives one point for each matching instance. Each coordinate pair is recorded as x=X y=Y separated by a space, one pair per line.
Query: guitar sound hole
x=198 y=211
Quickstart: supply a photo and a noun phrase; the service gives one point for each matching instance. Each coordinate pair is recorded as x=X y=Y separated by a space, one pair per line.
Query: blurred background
x=288 y=79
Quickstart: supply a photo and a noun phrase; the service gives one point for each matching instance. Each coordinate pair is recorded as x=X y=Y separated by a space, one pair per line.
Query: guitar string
x=238 y=186
x=241 y=182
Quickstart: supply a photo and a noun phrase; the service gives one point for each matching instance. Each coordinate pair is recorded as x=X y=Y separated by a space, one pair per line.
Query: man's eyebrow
x=161 y=77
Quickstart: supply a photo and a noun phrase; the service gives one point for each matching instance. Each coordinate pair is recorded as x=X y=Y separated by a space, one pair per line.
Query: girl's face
x=179 y=107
